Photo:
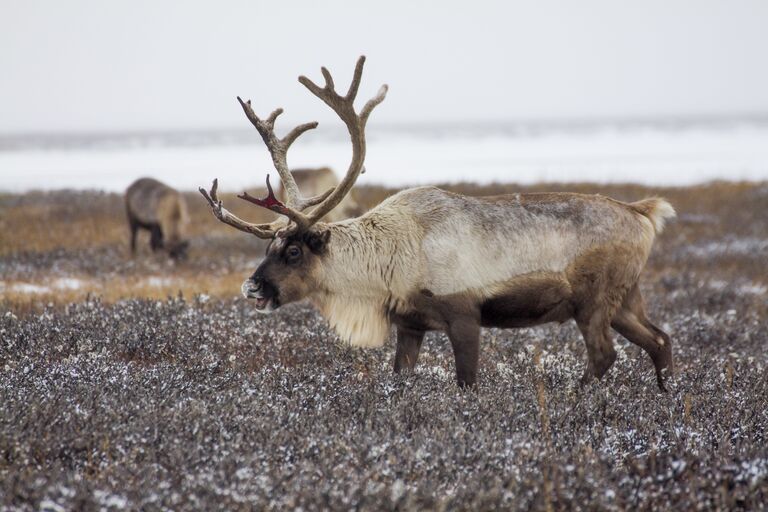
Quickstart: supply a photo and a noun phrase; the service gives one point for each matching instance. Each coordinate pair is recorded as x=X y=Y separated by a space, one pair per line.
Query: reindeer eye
x=292 y=252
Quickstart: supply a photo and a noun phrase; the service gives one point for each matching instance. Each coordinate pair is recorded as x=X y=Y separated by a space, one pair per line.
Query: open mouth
x=262 y=295
x=261 y=302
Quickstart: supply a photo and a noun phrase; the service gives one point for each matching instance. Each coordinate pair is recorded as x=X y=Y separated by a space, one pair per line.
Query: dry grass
x=84 y=236
x=46 y=221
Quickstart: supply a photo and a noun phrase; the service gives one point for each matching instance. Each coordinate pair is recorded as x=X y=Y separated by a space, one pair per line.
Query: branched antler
x=225 y=216
x=273 y=203
x=278 y=148
x=345 y=109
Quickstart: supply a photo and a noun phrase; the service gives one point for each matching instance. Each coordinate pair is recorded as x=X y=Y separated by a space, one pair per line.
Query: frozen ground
x=658 y=154
x=205 y=404
x=200 y=403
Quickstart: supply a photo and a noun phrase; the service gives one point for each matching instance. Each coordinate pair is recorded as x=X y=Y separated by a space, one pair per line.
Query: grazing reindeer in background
x=162 y=211
x=312 y=182
x=427 y=259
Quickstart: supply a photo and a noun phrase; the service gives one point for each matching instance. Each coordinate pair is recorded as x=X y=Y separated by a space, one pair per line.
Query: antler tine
x=328 y=78
x=278 y=148
x=271 y=202
x=345 y=109
x=272 y=117
x=294 y=134
x=372 y=103
x=225 y=216
x=314 y=201
x=356 y=78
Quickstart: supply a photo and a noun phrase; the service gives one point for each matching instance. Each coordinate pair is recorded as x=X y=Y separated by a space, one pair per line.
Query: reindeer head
x=298 y=242
x=179 y=250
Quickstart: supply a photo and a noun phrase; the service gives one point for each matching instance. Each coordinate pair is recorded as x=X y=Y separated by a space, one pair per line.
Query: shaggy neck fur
x=365 y=275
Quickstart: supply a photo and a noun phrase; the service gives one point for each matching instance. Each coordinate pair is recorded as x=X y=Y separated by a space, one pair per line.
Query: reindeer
x=427 y=259
x=162 y=211
x=314 y=181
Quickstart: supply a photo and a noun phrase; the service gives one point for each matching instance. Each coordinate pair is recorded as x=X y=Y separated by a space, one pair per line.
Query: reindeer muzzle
x=262 y=293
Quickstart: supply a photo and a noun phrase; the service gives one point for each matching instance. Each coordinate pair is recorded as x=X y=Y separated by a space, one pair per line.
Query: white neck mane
x=366 y=274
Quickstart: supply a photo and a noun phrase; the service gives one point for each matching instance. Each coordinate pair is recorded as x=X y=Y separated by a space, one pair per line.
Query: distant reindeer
x=427 y=259
x=161 y=210
x=312 y=182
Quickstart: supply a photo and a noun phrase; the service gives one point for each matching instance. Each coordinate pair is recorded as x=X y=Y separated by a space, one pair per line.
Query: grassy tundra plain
x=142 y=384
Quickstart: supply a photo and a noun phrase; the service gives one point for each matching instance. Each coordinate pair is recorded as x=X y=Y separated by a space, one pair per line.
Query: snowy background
x=659 y=154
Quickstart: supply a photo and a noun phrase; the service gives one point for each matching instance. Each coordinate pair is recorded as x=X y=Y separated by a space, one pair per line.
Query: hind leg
x=600 y=352
x=631 y=322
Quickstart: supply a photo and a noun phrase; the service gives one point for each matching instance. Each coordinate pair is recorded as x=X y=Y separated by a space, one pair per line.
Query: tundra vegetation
x=120 y=386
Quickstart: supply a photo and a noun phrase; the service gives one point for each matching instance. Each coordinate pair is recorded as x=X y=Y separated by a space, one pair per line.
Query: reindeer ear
x=317 y=240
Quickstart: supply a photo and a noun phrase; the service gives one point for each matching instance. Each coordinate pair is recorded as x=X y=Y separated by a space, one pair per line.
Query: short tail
x=657 y=210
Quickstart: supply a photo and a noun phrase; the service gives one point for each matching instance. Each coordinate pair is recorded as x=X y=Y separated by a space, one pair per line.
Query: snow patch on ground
x=24 y=288
x=62 y=283
x=733 y=246
x=158 y=282
x=68 y=283
x=749 y=287
x=754 y=288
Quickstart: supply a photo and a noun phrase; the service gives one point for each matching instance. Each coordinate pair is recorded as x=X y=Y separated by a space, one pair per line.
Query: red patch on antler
x=270 y=202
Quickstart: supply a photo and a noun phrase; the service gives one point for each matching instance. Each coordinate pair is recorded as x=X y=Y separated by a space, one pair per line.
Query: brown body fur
x=159 y=209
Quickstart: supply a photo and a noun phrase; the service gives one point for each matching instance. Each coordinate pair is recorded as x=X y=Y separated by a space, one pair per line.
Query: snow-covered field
x=111 y=398
x=205 y=404
x=652 y=154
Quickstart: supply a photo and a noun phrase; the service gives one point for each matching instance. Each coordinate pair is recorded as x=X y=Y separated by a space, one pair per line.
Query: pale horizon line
x=544 y=122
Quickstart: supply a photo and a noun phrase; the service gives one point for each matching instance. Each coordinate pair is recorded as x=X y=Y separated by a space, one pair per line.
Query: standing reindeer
x=427 y=259
x=162 y=211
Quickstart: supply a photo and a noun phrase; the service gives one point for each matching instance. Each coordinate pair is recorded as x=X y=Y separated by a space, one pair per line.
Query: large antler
x=345 y=109
x=278 y=148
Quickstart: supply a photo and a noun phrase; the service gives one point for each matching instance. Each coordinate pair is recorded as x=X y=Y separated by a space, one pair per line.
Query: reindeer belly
x=526 y=300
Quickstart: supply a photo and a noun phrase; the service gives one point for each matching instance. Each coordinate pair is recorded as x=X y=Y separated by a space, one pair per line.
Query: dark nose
x=251 y=286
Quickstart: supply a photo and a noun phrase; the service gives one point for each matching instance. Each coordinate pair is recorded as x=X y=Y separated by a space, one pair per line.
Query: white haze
x=671 y=155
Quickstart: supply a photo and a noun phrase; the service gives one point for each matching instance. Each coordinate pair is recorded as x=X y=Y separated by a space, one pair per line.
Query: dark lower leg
x=408 y=346
x=156 y=240
x=628 y=325
x=600 y=351
x=659 y=345
x=465 y=339
x=664 y=340
x=134 y=230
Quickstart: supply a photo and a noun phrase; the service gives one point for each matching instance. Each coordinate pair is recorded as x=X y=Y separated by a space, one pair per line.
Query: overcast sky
x=94 y=65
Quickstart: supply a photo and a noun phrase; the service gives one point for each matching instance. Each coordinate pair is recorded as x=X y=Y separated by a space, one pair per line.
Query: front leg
x=464 y=334
x=408 y=346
